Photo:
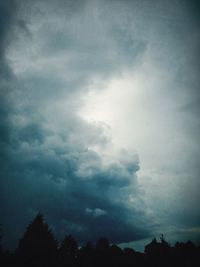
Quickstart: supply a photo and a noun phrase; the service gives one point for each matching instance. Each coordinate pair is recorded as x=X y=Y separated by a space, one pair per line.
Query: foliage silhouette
x=86 y=255
x=38 y=247
x=68 y=251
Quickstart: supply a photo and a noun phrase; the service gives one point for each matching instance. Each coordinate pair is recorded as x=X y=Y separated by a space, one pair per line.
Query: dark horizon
x=39 y=247
x=84 y=242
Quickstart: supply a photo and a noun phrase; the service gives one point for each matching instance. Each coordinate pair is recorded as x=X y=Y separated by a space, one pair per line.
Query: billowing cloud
x=63 y=62
x=57 y=162
x=80 y=190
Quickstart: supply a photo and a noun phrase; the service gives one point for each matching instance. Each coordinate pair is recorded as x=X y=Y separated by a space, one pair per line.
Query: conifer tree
x=68 y=251
x=37 y=247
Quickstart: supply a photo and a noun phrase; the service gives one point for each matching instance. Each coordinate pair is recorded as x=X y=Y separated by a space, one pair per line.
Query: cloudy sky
x=99 y=109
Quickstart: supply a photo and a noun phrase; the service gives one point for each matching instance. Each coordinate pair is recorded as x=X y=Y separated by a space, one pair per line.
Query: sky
x=99 y=110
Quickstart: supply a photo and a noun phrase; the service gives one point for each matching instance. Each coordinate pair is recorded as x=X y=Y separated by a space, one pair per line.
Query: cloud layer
x=53 y=160
x=54 y=56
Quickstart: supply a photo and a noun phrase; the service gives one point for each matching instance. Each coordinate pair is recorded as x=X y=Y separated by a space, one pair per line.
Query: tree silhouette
x=158 y=252
x=116 y=256
x=102 y=245
x=152 y=248
x=68 y=251
x=86 y=255
x=186 y=254
x=102 y=252
x=37 y=247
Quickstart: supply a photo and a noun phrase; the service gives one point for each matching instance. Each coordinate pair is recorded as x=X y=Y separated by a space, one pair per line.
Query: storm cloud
x=56 y=162
x=56 y=56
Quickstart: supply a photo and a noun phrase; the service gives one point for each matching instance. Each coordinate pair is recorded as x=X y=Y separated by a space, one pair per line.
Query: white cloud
x=95 y=212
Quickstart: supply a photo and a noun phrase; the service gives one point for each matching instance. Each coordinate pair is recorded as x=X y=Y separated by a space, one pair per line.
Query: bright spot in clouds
x=100 y=117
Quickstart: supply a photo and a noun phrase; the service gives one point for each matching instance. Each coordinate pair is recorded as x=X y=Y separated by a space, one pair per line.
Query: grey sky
x=100 y=118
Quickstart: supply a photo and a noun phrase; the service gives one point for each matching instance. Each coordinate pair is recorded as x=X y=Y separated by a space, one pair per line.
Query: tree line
x=39 y=248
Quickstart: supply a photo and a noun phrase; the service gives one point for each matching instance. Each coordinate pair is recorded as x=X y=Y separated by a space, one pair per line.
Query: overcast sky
x=99 y=118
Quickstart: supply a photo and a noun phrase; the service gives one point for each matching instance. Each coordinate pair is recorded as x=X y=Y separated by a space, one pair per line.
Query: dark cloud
x=50 y=166
x=77 y=192
x=52 y=160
